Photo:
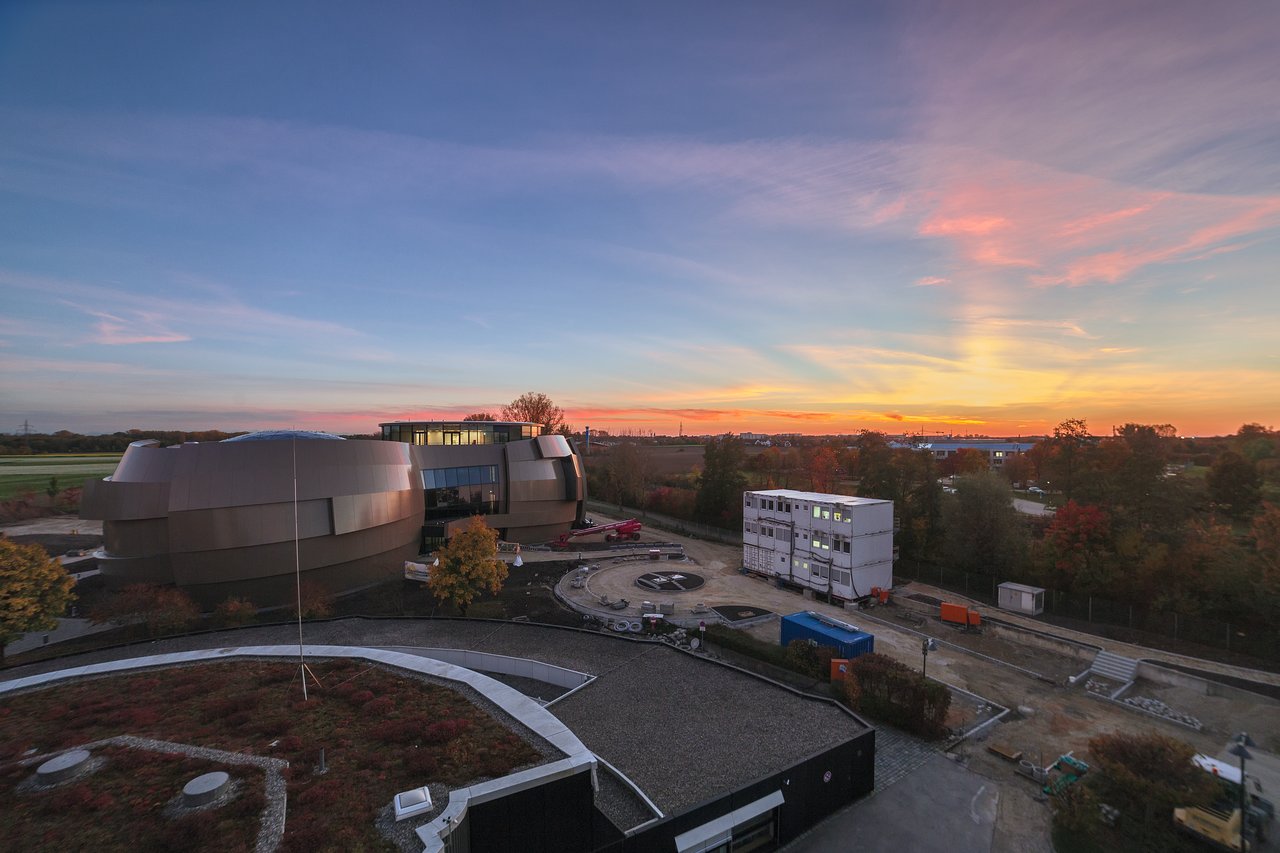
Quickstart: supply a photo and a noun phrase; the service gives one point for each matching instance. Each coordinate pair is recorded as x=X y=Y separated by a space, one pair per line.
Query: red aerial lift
x=629 y=529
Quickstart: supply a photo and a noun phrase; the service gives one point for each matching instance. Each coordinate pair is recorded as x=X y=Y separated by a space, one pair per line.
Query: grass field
x=20 y=474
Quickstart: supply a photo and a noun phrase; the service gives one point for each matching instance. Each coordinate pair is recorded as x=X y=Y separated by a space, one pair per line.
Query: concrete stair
x=1115 y=667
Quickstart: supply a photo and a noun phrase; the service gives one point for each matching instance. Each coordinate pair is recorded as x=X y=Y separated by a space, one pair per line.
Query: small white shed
x=1021 y=598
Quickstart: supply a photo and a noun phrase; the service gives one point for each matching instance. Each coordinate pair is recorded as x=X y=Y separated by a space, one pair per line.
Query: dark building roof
x=682 y=728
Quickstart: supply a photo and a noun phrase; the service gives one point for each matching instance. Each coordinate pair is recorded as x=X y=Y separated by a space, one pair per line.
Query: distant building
x=224 y=518
x=834 y=547
x=996 y=451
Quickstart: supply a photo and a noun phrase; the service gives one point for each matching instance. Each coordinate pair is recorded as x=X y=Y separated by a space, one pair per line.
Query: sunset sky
x=977 y=217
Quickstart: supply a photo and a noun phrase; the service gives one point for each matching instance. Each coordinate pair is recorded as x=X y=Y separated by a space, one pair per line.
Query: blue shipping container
x=827 y=631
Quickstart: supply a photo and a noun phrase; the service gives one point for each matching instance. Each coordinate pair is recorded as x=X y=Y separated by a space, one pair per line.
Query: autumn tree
x=721 y=484
x=1233 y=484
x=1075 y=549
x=468 y=565
x=823 y=467
x=966 y=460
x=1018 y=469
x=163 y=609
x=479 y=416
x=535 y=408
x=871 y=464
x=34 y=591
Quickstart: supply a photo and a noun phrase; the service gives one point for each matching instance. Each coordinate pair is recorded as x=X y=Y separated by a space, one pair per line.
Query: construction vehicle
x=1221 y=824
x=1261 y=810
x=1218 y=825
x=629 y=529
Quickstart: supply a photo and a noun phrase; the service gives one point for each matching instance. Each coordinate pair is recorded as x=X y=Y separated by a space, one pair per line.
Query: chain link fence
x=1174 y=632
x=668 y=522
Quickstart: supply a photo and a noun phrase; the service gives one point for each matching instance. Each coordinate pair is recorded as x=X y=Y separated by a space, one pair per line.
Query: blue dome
x=286 y=435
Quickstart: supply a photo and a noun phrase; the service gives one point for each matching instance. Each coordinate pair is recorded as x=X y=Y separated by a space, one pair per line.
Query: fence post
x=1091 y=608
x=1228 y=636
x=1175 y=626
x=1130 y=616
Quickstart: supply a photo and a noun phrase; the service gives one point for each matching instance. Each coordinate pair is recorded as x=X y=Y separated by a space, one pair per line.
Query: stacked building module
x=837 y=546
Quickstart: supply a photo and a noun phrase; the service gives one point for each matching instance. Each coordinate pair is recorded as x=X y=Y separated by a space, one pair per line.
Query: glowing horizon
x=811 y=220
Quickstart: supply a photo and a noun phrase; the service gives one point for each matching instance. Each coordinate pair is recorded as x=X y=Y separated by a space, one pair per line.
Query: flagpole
x=297 y=570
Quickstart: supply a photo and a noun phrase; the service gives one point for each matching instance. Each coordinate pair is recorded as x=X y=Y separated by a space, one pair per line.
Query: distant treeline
x=64 y=441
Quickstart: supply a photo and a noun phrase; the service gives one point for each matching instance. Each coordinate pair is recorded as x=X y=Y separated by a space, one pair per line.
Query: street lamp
x=1238 y=749
x=927 y=644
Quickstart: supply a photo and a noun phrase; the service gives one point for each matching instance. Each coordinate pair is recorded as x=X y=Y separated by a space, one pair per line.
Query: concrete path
x=68 y=629
x=938 y=808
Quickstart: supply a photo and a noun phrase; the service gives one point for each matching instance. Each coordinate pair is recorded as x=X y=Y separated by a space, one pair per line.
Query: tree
x=1076 y=546
x=1063 y=455
x=34 y=591
x=468 y=565
x=535 y=408
x=983 y=531
x=1018 y=468
x=625 y=474
x=823 y=468
x=966 y=460
x=720 y=488
x=480 y=416
x=1233 y=484
x=163 y=609
x=1146 y=777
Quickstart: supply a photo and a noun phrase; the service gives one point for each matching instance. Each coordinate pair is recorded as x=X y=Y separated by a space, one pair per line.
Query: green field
x=20 y=474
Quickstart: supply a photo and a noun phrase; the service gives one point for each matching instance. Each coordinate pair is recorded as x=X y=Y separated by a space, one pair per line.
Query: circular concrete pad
x=62 y=767
x=204 y=789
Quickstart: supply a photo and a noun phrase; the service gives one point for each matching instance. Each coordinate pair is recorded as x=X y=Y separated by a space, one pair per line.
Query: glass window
x=837 y=515
x=817 y=512
x=451 y=477
x=428 y=478
x=826 y=513
x=477 y=475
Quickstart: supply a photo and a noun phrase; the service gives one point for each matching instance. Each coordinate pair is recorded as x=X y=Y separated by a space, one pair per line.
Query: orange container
x=975 y=618
x=839 y=668
x=957 y=613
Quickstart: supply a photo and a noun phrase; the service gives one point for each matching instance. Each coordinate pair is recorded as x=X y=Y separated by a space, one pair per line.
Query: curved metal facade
x=218 y=519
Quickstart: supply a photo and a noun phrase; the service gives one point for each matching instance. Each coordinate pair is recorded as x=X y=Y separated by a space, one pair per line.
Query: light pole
x=927 y=644
x=1238 y=749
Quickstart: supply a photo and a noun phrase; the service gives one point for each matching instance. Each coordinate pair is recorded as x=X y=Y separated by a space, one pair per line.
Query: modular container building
x=846 y=639
x=1021 y=598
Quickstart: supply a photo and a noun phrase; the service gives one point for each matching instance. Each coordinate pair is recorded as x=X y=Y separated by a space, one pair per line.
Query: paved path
x=941 y=808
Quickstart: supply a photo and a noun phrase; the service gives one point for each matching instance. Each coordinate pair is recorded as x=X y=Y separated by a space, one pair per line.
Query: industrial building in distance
x=224 y=518
x=832 y=547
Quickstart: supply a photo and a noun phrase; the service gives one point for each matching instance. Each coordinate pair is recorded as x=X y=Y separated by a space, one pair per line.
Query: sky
x=969 y=217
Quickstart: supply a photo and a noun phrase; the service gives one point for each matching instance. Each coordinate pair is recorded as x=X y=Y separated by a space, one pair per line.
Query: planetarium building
x=224 y=518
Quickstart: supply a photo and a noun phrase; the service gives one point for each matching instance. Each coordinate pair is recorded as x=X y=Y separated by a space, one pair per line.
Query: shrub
x=360 y=697
x=379 y=707
x=895 y=693
x=235 y=611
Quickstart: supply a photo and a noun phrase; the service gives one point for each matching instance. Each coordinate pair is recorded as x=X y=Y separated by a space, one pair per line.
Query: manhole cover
x=63 y=767
x=204 y=789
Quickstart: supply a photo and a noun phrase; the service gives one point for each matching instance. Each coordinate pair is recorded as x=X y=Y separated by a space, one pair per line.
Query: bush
x=163 y=609
x=893 y=692
x=235 y=611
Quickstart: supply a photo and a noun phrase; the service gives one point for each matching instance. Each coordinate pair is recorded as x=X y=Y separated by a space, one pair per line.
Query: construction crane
x=629 y=529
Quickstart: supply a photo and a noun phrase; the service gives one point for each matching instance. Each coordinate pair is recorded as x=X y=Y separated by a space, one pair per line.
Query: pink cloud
x=932 y=281
x=144 y=328
x=1070 y=229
